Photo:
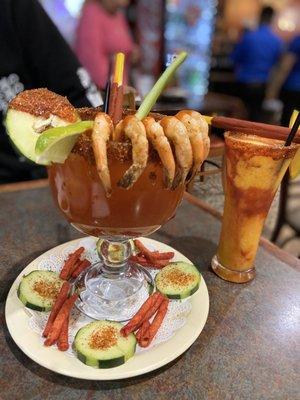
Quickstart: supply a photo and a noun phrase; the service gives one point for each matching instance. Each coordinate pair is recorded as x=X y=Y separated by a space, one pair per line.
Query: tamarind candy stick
x=253 y=128
x=63 y=313
x=70 y=262
x=115 y=108
x=136 y=320
x=61 y=298
x=142 y=330
x=145 y=263
x=150 y=333
x=63 y=340
x=81 y=267
x=155 y=307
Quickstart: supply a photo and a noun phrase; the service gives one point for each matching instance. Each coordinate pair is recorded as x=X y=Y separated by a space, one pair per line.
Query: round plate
x=146 y=361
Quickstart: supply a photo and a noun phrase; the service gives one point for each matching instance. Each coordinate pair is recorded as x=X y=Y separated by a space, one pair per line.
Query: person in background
x=286 y=81
x=34 y=54
x=102 y=32
x=254 y=57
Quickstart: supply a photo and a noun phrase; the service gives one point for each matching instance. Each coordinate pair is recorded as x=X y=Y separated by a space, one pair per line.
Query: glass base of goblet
x=231 y=275
x=110 y=294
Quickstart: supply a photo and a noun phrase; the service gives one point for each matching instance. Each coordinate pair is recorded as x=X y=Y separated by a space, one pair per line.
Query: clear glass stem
x=115 y=255
x=115 y=287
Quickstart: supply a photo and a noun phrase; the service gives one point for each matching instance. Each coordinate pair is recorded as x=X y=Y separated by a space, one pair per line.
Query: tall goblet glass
x=115 y=287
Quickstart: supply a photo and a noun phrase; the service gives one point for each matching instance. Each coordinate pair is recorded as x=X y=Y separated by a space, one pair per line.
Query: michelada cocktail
x=81 y=197
x=116 y=176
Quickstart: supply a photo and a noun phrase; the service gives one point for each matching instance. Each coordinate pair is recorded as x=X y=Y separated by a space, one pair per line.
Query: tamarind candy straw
x=115 y=108
x=252 y=128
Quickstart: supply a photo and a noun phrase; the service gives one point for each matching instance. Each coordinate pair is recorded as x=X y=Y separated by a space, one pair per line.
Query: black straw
x=294 y=130
x=107 y=90
x=106 y=98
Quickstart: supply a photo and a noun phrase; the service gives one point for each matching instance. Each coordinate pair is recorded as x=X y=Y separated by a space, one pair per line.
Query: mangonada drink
x=255 y=167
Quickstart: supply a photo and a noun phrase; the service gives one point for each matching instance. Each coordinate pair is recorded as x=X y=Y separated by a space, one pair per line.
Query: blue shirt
x=293 y=80
x=255 y=55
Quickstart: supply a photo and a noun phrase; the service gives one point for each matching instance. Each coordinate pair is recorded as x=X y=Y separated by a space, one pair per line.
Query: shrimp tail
x=134 y=130
x=156 y=135
x=101 y=133
x=176 y=132
x=130 y=176
x=178 y=179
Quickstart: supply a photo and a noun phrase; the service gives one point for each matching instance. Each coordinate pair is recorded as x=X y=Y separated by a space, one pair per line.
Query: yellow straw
x=207 y=119
x=119 y=68
x=293 y=118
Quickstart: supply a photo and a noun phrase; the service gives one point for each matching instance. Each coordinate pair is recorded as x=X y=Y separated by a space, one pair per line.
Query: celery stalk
x=159 y=86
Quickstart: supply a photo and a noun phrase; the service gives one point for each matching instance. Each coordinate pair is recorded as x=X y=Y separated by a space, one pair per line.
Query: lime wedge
x=55 y=144
x=294 y=167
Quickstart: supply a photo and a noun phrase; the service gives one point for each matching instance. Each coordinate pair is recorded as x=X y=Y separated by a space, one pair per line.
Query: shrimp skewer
x=134 y=129
x=176 y=132
x=155 y=134
x=197 y=133
x=102 y=130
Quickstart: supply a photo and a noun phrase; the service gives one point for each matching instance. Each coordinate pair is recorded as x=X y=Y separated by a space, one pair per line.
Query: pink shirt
x=99 y=36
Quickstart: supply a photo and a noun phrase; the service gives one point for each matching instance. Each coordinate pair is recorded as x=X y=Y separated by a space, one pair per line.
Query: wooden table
x=249 y=348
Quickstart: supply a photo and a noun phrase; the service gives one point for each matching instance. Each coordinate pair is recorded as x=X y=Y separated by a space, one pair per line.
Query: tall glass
x=115 y=287
x=255 y=167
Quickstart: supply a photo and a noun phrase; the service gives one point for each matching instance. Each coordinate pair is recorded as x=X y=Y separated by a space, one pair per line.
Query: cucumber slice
x=178 y=280
x=39 y=289
x=101 y=345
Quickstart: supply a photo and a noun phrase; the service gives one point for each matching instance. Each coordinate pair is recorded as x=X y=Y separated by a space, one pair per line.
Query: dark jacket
x=33 y=54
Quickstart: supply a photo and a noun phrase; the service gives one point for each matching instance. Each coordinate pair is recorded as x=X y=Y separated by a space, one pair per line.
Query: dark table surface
x=248 y=349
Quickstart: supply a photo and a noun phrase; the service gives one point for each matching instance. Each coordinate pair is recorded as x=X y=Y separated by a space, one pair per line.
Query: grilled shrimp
x=155 y=134
x=176 y=132
x=118 y=131
x=134 y=129
x=196 y=134
x=102 y=130
x=203 y=127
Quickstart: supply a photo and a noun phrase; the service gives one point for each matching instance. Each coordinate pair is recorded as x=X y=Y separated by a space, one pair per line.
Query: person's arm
x=90 y=44
x=281 y=73
x=47 y=57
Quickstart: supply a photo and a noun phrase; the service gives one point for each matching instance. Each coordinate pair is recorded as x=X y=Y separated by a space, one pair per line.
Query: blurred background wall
x=208 y=29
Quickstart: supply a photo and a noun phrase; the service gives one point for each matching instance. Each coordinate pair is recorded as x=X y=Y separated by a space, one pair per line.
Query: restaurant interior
x=242 y=66
x=209 y=31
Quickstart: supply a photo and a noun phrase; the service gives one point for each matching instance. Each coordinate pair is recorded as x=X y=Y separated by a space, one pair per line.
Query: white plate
x=57 y=361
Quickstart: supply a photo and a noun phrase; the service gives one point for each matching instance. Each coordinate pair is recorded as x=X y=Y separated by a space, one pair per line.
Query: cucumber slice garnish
x=101 y=345
x=55 y=144
x=178 y=280
x=39 y=289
